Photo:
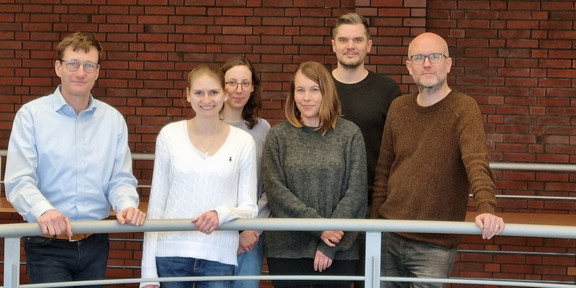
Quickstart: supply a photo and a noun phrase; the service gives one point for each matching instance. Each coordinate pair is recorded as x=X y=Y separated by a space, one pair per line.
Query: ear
x=448 y=64
x=409 y=66
x=57 y=67
x=188 y=94
x=369 y=46
x=333 y=45
x=97 y=72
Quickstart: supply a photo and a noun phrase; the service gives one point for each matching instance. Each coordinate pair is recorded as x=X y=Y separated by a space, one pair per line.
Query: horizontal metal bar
x=303 y=224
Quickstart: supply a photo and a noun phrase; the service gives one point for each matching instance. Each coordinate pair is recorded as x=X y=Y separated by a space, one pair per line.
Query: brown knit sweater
x=431 y=159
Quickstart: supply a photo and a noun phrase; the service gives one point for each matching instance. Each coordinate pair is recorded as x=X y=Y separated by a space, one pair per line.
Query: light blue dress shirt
x=79 y=164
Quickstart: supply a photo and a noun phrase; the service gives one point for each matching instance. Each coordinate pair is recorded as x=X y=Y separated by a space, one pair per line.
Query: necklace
x=206 y=146
x=204 y=143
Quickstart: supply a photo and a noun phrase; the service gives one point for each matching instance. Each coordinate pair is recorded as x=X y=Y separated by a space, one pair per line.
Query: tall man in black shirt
x=365 y=95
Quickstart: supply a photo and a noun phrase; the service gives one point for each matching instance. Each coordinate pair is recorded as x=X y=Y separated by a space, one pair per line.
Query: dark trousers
x=55 y=260
x=305 y=266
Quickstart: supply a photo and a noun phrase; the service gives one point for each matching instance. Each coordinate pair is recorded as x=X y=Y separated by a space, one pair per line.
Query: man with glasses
x=433 y=155
x=69 y=160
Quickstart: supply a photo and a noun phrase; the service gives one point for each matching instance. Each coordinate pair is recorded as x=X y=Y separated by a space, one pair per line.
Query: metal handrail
x=373 y=228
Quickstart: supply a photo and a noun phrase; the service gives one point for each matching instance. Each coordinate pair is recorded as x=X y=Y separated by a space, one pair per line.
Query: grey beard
x=430 y=88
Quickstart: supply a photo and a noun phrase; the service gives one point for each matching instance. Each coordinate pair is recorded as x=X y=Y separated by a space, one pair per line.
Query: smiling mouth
x=207 y=107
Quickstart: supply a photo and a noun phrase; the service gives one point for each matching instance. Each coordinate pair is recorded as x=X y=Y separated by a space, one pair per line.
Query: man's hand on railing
x=53 y=222
x=131 y=216
x=490 y=224
x=331 y=238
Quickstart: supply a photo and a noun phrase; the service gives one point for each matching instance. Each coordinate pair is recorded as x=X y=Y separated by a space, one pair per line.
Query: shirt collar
x=60 y=103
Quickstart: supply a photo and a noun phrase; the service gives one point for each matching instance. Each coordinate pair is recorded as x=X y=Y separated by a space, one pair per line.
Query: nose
x=205 y=98
x=350 y=44
x=427 y=59
x=81 y=70
x=239 y=87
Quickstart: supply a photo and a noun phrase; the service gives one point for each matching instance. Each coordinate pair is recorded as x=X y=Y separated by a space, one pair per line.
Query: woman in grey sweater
x=314 y=166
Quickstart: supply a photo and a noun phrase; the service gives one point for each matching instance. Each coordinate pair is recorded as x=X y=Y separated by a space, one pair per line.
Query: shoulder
x=40 y=103
x=103 y=107
x=382 y=79
x=239 y=134
x=462 y=103
x=347 y=129
x=263 y=124
x=403 y=101
x=282 y=126
x=173 y=127
x=346 y=125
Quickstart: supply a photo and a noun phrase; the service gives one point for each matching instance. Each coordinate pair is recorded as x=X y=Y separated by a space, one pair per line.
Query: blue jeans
x=402 y=257
x=250 y=263
x=55 y=260
x=184 y=267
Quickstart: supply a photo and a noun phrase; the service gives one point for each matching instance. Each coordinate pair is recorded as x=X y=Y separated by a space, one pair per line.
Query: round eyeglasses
x=234 y=84
x=73 y=65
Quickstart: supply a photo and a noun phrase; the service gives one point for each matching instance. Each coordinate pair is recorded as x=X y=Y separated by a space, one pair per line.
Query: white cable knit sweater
x=186 y=183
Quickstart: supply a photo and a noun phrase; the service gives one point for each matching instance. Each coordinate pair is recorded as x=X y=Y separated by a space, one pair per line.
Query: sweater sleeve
x=383 y=166
x=157 y=202
x=353 y=203
x=475 y=158
x=247 y=186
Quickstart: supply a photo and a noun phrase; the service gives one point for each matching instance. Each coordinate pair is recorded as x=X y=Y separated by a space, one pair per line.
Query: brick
x=515 y=62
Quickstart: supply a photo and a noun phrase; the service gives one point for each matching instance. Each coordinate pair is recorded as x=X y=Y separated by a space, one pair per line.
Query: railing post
x=11 y=262
x=372 y=262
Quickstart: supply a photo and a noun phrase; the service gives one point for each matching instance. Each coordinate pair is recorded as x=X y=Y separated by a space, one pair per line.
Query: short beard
x=352 y=66
x=430 y=88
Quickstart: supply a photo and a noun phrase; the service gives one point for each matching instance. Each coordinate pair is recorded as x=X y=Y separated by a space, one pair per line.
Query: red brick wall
x=514 y=57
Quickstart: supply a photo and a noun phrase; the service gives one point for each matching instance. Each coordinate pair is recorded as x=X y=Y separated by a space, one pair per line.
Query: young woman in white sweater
x=204 y=170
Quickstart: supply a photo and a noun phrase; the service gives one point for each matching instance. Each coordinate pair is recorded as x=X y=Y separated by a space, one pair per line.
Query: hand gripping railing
x=13 y=232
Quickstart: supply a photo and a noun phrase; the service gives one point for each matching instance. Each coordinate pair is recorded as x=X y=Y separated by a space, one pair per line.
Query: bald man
x=433 y=155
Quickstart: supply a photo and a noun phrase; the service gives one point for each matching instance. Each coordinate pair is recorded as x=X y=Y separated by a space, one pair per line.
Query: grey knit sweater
x=307 y=175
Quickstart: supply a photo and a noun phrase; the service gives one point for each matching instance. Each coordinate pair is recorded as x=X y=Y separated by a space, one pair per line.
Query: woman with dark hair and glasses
x=241 y=111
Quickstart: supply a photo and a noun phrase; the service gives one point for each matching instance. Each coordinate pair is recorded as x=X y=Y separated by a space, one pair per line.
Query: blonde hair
x=330 y=108
x=203 y=69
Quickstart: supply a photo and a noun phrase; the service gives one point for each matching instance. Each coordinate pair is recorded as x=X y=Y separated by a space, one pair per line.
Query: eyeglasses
x=234 y=84
x=433 y=57
x=73 y=65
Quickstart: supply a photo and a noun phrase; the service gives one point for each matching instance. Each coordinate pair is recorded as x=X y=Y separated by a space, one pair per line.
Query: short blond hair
x=351 y=18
